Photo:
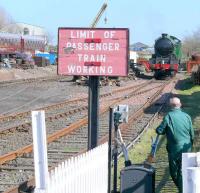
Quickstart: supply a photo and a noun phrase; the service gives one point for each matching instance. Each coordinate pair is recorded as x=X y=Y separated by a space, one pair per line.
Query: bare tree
x=191 y=44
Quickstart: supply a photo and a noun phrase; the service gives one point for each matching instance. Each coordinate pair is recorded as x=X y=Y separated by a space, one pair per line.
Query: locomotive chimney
x=164 y=35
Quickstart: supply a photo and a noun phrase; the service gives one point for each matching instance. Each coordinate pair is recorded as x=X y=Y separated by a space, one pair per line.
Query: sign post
x=93 y=111
x=93 y=52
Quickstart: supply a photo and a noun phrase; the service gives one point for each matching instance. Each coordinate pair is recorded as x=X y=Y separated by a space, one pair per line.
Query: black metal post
x=93 y=111
x=115 y=160
x=110 y=149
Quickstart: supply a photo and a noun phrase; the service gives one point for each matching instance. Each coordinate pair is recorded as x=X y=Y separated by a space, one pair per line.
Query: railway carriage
x=21 y=43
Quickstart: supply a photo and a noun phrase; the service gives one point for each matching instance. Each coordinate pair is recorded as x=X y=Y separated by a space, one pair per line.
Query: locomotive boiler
x=167 y=56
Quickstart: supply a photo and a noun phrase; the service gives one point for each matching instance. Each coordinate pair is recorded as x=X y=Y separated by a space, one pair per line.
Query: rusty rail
x=27 y=149
x=54 y=106
x=138 y=113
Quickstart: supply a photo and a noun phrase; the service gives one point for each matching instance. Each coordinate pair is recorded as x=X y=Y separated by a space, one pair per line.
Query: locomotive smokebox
x=164 y=46
x=167 y=56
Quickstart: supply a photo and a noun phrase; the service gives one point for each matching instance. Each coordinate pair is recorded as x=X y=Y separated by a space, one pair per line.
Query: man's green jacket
x=177 y=126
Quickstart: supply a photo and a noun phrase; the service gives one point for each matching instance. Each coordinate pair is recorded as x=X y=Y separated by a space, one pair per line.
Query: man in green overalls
x=177 y=126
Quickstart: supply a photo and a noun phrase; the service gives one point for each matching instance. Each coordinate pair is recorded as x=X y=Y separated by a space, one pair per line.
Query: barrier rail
x=87 y=173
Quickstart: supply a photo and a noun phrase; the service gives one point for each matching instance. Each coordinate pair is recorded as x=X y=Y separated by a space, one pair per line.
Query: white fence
x=191 y=172
x=87 y=173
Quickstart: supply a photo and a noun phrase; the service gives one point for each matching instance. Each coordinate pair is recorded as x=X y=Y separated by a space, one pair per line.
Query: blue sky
x=146 y=19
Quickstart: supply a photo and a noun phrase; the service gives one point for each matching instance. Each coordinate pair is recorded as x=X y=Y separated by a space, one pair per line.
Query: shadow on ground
x=145 y=76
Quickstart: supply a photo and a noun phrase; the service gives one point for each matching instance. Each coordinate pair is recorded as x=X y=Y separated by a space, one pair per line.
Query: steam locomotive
x=167 y=56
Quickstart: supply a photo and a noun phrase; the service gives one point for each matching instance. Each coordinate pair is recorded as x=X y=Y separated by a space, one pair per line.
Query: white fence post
x=191 y=172
x=40 y=150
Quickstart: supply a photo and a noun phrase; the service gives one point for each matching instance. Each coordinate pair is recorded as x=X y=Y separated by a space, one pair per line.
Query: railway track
x=20 y=97
x=21 y=115
x=30 y=80
x=62 y=145
x=17 y=98
x=12 y=134
x=61 y=108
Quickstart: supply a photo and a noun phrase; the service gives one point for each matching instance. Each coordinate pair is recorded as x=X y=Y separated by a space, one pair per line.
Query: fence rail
x=87 y=173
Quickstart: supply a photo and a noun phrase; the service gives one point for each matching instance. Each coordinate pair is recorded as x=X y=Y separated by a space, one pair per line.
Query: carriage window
x=26 y=31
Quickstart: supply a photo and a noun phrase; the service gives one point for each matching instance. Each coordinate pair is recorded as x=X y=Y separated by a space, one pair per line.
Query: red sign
x=93 y=52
